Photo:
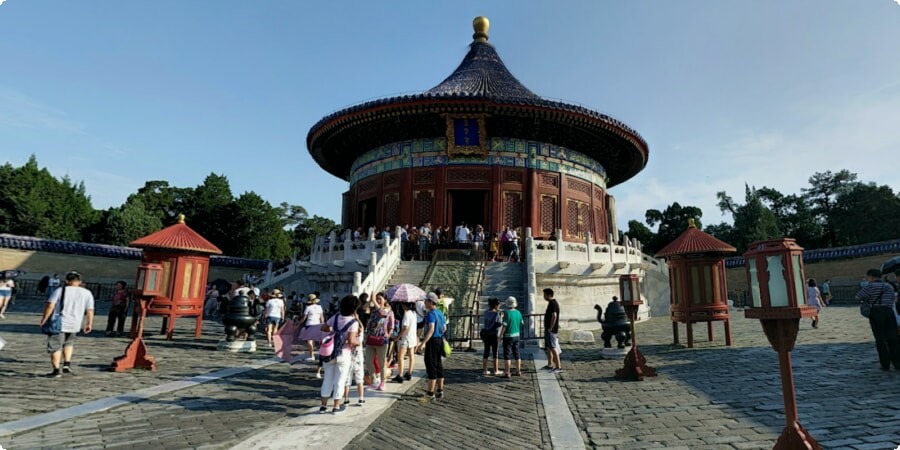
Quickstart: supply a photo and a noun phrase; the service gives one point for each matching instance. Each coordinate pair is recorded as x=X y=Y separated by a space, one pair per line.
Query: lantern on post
x=147 y=285
x=636 y=367
x=775 y=275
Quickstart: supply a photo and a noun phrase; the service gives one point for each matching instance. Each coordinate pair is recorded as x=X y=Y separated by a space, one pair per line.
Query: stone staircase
x=501 y=280
x=412 y=272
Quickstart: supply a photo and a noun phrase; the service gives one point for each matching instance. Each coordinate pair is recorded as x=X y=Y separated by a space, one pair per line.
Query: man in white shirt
x=462 y=234
x=75 y=302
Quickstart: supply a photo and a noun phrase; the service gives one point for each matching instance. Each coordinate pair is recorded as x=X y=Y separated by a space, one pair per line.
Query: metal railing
x=467 y=328
x=840 y=295
x=28 y=289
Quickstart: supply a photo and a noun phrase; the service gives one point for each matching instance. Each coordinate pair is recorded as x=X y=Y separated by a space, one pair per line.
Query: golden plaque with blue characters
x=466 y=136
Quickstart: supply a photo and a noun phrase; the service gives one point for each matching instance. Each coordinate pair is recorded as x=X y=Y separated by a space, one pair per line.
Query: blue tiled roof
x=482 y=74
x=837 y=253
x=109 y=251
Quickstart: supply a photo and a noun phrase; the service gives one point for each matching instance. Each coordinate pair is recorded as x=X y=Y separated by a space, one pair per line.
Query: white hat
x=511 y=302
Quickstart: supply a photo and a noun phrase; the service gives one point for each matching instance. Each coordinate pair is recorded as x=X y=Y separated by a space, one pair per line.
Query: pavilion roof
x=692 y=242
x=177 y=237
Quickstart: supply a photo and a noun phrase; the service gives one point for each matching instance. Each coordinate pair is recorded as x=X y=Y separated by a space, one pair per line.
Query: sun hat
x=276 y=293
x=431 y=297
x=312 y=299
x=511 y=302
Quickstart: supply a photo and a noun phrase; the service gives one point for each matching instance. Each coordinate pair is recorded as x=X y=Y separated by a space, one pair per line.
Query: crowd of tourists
x=419 y=243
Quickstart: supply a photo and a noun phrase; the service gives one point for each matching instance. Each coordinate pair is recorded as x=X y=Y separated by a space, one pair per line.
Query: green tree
x=822 y=196
x=255 y=229
x=163 y=201
x=672 y=222
x=34 y=203
x=866 y=213
x=753 y=221
x=132 y=220
x=640 y=232
x=304 y=234
x=210 y=211
x=794 y=217
x=291 y=215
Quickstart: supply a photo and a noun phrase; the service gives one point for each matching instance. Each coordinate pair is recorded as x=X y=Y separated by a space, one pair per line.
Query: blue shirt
x=437 y=318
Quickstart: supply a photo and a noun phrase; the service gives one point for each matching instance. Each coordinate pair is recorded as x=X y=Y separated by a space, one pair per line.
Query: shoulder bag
x=865 y=308
x=53 y=325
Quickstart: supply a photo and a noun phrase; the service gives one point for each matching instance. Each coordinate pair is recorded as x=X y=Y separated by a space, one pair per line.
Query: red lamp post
x=148 y=284
x=636 y=367
x=778 y=299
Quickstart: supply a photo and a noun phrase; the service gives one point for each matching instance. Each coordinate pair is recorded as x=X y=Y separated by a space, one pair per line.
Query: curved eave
x=557 y=113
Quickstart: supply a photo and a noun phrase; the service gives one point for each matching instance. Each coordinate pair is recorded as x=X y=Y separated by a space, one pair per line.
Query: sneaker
x=361 y=402
x=323 y=409
x=393 y=365
x=557 y=370
x=109 y=334
x=336 y=411
x=380 y=387
x=547 y=368
x=67 y=370
x=346 y=402
x=486 y=372
x=318 y=375
x=439 y=394
x=310 y=359
x=498 y=373
x=373 y=386
x=397 y=379
x=55 y=374
x=408 y=376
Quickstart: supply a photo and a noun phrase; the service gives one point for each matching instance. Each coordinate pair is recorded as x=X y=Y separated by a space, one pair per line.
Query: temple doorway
x=469 y=206
x=367 y=213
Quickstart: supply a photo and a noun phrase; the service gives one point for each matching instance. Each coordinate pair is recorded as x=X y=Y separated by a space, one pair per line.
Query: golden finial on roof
x=481 y=25
x=181 y=218
x=692 y=223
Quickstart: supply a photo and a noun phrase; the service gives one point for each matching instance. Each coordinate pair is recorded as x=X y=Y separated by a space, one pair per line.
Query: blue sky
x=765 y=92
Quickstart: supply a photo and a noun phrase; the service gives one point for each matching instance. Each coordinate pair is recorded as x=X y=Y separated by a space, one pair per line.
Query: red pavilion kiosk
x=697 y=282
x=184 y=258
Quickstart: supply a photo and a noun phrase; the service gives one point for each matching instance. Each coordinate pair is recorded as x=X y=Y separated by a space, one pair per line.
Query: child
x=407 y=341
x=357 y=372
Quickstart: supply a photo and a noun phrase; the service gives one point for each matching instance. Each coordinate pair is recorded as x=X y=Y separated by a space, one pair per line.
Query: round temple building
x=479 y=148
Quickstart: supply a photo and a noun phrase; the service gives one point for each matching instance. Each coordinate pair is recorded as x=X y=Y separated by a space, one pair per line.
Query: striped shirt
x=877 y=293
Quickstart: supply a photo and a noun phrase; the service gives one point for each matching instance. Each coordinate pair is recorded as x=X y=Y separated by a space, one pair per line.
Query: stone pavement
x=718 y=397
x=24 y=361
x=708 y=397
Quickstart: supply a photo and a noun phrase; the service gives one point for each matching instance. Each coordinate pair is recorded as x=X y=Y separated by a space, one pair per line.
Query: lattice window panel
x=467 y=176
x=572 y=218
x=598 y=194
x=368 y=185
x=391 y=180
x=585 y=218
x=513 y=176
x=580 y=186
x=391 y=210
x=549 y=221
x=423 y=177
x=549 y=180
x=600 y=235
x=424 y=207
x=512 y=209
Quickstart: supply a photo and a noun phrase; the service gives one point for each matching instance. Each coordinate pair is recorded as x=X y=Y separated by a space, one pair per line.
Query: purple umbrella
x=405 y=293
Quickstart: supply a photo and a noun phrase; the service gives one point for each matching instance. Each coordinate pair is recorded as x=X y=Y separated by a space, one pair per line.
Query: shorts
x=406 y=342
x=5 y=293
x=56 y=342
x=511 y=348
x=551 y=340
x=274 y=321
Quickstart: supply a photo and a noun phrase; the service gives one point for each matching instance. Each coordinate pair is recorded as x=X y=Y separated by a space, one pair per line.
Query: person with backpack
x=378 y=332
x=489 y=334
x=881 y=300
x=356 y=372
x=336 y=351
